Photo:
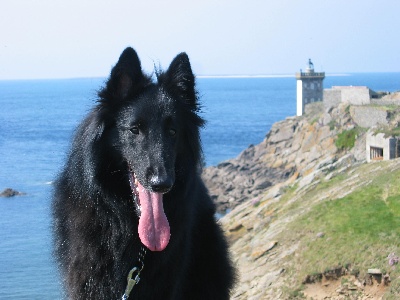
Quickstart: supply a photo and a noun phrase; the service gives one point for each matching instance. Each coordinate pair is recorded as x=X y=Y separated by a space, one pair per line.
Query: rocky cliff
x=272 y=184
x=298 y=147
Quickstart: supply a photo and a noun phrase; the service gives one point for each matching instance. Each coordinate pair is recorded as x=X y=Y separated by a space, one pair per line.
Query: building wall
x=309 y=90
x=385 y=101
x=392 y=148
x=331 y=97
x=368 y=116
x=299 y=98
x=312 y=90
x=389 y=145
x=356 y=95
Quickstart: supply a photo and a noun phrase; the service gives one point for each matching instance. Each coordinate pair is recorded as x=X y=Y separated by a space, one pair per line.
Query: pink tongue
x=153 y=227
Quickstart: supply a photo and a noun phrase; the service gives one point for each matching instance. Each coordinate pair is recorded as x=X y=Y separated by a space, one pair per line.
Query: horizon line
x=199 y=76
x=265 y=75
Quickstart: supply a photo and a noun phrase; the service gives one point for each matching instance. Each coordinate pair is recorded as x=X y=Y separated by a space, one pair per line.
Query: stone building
x=309 y=87
x=354 y=95
x=379 y=147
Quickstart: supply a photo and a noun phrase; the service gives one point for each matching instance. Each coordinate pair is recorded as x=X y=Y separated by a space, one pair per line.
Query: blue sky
x=83 y=38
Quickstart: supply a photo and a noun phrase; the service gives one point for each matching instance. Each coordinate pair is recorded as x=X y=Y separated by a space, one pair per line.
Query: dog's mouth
x=134 y=183
x=153 y=228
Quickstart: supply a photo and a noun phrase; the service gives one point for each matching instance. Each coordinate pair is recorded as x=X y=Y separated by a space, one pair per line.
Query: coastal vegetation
x=347 y=138
x=356 y=232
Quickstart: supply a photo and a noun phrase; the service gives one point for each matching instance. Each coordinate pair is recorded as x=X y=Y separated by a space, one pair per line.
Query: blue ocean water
x=37 y=119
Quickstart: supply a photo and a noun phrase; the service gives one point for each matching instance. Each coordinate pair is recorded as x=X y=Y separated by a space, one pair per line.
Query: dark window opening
x=376 y=153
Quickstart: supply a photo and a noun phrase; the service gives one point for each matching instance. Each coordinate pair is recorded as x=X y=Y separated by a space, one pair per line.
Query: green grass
x=332 y=125
x=361 y=230
x=357 y=225
x=388 y=131
x=315 y=120
x=346 y=139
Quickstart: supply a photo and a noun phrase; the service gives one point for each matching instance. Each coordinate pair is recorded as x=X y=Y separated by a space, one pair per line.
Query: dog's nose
x=161 y=184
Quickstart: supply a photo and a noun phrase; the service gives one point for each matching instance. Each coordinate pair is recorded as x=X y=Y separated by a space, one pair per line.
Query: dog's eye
x=172 y=131
x=134 y=129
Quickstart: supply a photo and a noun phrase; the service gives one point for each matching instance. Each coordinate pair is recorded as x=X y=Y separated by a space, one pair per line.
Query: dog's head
x=155 y=131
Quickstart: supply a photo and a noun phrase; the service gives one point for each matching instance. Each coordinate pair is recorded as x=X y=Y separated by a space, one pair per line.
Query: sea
x=38 y=118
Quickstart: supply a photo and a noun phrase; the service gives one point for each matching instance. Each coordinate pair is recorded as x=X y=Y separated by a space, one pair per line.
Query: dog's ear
x=126 y=76
x=180 y=81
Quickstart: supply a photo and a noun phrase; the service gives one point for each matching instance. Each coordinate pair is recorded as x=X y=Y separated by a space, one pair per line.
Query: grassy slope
x=360 y=229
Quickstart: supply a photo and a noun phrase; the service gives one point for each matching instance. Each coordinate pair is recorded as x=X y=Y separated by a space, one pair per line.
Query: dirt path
x=346 y=287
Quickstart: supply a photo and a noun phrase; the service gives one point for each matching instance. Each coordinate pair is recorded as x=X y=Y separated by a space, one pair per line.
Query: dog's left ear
x=180 y=81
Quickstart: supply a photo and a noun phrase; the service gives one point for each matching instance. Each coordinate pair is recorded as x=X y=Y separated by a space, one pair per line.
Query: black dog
x=132 y=178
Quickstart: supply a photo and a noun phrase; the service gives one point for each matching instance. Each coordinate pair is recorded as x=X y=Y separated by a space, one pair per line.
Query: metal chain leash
x=135 y=271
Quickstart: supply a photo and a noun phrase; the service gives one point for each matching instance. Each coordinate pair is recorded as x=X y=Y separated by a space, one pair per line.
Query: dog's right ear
x=126 y=77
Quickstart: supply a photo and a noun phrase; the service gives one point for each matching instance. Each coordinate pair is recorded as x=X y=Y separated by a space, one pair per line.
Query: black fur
x=151 y=129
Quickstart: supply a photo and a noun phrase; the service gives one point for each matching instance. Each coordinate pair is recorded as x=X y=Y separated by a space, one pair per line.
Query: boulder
x=8 y=192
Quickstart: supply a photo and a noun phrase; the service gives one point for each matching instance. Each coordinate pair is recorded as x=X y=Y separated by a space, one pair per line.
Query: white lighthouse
x=309 y=87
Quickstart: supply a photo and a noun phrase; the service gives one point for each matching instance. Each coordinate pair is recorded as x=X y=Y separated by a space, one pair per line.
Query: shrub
x=332 y=125
x=346 y=139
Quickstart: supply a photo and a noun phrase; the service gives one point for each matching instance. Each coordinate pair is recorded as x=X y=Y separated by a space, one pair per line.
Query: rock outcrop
x=10 y=193
x=298 y=147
